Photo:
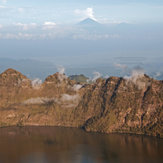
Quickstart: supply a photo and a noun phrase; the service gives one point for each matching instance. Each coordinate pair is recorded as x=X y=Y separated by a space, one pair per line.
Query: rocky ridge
x=114 y=105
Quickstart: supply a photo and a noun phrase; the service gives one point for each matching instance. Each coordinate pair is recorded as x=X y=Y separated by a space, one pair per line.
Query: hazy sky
x=46 y=29
x=71 y=11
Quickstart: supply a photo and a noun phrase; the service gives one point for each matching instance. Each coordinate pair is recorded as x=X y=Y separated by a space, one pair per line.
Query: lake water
x=69 y=145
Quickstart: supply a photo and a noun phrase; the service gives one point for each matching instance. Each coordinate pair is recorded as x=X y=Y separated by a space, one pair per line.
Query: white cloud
x=36 y=83
x=136 y=74
x=112 y=21
x=26 y=26
x=21 y=10
x=88 y=36
x=88 y=13
x=38 y=100
x=49 y=25
x=61 y=75
x=2 y=7
x=121 y=66
x=61 y=69
x=136 y=78
x=67 y=97
x=4 y=1
x=17 y=36
x=27 y=31
x=158 y=74
x=1 y=26
x=54 y=34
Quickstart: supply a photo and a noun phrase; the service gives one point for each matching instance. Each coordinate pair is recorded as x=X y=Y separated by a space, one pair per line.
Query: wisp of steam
x=61 y=69
x=96 y=76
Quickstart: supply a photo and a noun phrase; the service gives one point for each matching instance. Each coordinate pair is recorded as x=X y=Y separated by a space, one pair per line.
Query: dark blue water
x=68 y=145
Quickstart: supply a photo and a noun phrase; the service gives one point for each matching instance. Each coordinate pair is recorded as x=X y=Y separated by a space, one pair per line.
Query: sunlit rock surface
x=123 y=105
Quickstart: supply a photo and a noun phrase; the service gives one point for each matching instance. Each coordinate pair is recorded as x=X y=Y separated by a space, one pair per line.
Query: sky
x=40 y=19
x=48 y=30
x=72 y=11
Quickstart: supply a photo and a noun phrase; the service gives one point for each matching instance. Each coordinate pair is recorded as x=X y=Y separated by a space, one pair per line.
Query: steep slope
x=129 y=109
x=130 y=105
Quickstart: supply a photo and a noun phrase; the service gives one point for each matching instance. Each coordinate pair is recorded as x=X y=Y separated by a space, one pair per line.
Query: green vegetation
x=79 y=78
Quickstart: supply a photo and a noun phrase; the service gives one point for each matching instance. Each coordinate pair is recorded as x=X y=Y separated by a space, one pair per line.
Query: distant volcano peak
x=88 y=21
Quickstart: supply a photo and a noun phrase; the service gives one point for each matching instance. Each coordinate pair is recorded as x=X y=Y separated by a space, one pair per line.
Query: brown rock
x=133 y=105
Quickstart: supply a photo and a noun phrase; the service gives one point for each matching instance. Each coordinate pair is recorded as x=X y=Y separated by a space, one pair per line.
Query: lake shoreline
x=81 y=128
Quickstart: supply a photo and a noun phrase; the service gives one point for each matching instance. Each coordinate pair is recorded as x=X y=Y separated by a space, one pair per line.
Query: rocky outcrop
x=13 y=86
x=123 y=105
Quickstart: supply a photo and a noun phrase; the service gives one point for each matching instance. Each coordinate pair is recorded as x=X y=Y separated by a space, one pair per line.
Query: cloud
x=1 y=26
x=49 y=25
x=38 y=101
x=88 y=36
x=18 y=36
x=4 y=1
x=26 y=31
x=61 y=69
x=30 y=35
x=137 y=73
x=2 y=6
x=121 y=66
x=88 y=13
x=45 y=100
x=137 y=78
x=96 y=76
x=67 y=97
x=21 y=10
x=112 y=21
x=26 y=26
x=36 y=83
x=158 y=74
x=53 y=35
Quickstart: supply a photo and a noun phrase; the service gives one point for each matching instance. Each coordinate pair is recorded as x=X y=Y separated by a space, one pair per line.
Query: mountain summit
x=88 y=21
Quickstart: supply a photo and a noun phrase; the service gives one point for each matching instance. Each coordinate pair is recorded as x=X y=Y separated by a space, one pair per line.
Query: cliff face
x=130 y=105
x=129 y=109
x=12 y=87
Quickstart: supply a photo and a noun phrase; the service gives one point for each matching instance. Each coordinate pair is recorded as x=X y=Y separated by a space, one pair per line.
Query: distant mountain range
x=41 y=69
